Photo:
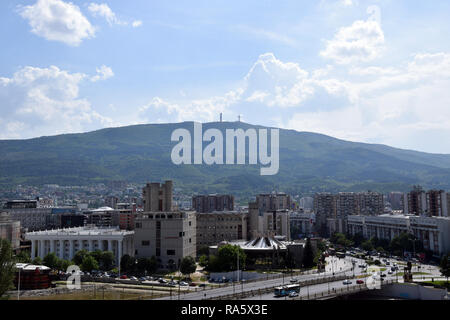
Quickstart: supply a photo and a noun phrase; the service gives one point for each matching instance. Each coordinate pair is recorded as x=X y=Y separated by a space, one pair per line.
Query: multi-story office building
x=157 y=197
x=213 y=202
x=304 y=222
x=10 y=230
x=215 y=227
x=101 y=217
x=124 y=216
x=169 y=236
x=267 y=223
x=273 y=201
x=434 y=232
x=66 y=242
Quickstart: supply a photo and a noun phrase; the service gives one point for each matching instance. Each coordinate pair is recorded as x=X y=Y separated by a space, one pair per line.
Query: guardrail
x=256 y=292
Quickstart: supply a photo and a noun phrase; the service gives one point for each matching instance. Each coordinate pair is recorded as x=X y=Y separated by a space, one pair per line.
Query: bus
x=286 y=290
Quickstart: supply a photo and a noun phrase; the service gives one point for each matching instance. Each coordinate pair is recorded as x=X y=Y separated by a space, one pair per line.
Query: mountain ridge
x=309 y=162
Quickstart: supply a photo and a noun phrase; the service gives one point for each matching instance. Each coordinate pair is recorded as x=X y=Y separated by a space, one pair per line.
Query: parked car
x=133 y=278
x=294 y=280
x=182 y=283
x=359 y=281
x=161 y=280
x=202 y=285
x=123 y=276
x=293 y=294
x=142 y=279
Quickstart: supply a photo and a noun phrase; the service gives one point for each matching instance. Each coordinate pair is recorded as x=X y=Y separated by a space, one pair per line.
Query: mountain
x=309 y=162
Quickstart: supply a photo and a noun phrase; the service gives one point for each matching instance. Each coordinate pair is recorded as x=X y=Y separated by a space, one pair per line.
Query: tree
x=37 y=261
x=51 y=260
x=23 y=257
x=203 y=261
x=88 y=264
x=106 y=260
x=367 y=245
x=152 y=265
x=445 y=266
x=203 y=250
x=63 y=264
x=188 y=265
x=128 y=264
x=308 y=255
x=7 y=267
x=79 y=256
x=227 y=257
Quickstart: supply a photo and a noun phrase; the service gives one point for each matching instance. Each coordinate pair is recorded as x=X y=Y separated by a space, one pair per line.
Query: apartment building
x=215 y=227
x=304 y=222
x=169 y=236
x=212 y=203
x=273 y=201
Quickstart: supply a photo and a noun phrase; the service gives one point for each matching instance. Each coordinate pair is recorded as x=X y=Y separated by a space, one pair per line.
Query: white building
x=305 y=222
x=434 y=232
x=66 y=242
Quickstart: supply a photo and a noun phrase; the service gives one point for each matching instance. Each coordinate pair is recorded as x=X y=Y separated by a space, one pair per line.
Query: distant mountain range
x=309 y=162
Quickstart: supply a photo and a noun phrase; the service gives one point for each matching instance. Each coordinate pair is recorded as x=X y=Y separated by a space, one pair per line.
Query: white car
x=347 y=282
x=293 y=294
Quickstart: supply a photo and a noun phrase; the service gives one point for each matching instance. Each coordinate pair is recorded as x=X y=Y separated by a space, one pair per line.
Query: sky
x=370 y=71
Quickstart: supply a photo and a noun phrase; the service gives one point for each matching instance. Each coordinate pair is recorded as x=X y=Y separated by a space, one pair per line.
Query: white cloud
x=57 y=20
x=137 y=23
x=363 y=41
x=104 y=11
x=103 y=73
x=45 y=101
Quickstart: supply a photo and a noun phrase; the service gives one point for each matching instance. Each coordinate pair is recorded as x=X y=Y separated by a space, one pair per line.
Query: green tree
x=127 y=264
x=188 y=265
x=367 y=245
x=227 y=256
x=445 y=266
x=106 y=260
x=79 y=256
x=89 y=263
x=7 y=267
x=203 y=250
x=308 y=255
x=51 y=261
x=63 y=264
x=203 y=261
x=37 y=261
x=23 y=257
x=152 y=265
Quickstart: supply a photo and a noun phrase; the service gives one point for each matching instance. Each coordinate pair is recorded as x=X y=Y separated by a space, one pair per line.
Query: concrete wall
x=233 y=275
x=411 y=291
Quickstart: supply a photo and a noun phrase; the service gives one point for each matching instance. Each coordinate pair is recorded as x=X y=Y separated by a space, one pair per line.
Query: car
x=347 y=282
x=161 y=280
x=133 y=278
x=359 y=281
x=171 y=283
x=182 y=283
x=390 y=272
x=294 y=280
x=388 y=263
x=293 y=294
x=202 y=285
x=142 y=279
x=124 y=276
x=382 y=275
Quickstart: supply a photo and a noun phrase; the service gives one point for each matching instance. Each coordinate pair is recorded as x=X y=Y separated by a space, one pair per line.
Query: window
x=190 y=240
x=138 y=225
x=145 y=243
x=180 y=234
x=189 y=223
x=170 y=252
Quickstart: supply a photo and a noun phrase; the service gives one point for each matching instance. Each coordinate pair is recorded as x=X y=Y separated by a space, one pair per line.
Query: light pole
x=18 y=287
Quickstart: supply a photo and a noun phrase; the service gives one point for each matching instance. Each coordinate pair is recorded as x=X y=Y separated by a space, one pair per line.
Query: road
x=334 y=266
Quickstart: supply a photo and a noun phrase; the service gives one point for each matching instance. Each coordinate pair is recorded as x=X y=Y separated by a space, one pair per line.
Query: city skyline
x=369 y=71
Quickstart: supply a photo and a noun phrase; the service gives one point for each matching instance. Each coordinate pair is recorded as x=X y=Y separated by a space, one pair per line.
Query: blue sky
x=372 y=71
